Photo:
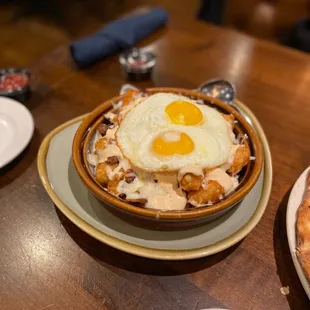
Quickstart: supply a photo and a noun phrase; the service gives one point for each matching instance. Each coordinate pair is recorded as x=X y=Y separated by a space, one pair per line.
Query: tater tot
x=101 y=174
x=211 y=193
x=230 y=119
x=112 y=186
x=241 y=159
x=101 y=144
x=129 y=96
x=191 y=182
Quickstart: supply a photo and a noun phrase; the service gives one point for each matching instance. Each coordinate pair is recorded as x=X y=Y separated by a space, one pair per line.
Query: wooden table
x=48 y=263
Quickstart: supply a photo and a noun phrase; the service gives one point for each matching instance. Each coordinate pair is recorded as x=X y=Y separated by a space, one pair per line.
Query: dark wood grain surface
x=48 y=263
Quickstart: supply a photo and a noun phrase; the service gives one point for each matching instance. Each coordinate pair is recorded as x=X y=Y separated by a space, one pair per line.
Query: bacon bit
x=112 y=160
x=130 y=176
x=129 y=179
x=106 y=121
x=102 y=128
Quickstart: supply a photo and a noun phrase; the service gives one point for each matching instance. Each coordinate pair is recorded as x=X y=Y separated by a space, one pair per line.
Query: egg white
x=148 y=119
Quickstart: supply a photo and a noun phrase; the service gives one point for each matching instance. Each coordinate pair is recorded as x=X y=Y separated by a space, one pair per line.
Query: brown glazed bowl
x=166 y=220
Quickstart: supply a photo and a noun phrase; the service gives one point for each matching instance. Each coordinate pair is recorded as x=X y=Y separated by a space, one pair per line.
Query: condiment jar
x=15 y=84
x=137 y=64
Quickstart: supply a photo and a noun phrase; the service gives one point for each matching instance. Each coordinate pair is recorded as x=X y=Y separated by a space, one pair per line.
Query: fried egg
x=166 y=132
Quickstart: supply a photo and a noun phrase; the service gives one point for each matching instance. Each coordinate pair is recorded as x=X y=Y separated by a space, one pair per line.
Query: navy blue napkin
x=118 y=35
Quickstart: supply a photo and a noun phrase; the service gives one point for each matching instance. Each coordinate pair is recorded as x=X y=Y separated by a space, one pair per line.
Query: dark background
x=31 y=28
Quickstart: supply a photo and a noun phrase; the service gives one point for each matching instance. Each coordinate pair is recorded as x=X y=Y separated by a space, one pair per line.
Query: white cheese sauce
x=193 y=169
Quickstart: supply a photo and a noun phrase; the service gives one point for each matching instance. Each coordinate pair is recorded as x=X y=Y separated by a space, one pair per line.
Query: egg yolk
x=184 y=113
x=171 y=143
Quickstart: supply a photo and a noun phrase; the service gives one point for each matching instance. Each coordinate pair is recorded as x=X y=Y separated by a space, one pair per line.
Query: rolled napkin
x=118 y=35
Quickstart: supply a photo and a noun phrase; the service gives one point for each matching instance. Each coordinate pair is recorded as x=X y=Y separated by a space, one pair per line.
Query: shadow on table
x=97 y=210
x=37 y=96
x=21 y=163
x=107 y=255
x=297 y=298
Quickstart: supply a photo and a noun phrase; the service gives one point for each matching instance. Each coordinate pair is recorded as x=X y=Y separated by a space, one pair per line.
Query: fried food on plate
x=211 y=193
x=303 y=230
x=157 y=150
x=241 y=159
x=129 y=96
x=112 y=185
x=191 y=182
x=229 y=119
x=102 y=172
x=101 y=144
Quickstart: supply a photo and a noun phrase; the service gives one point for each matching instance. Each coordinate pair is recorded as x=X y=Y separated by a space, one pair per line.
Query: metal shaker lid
x=137 y=60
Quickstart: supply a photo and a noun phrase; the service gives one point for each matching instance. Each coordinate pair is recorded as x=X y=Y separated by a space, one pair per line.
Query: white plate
x=82 y=208
x=16 y=129
x=291 y=212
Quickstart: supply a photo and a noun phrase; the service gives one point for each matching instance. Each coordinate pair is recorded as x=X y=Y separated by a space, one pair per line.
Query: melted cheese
x=109 y=151
x=222 y=178
x=163 y=195
x=110 y=134
x=110 y=116
x=92 y=159
x=193 y=169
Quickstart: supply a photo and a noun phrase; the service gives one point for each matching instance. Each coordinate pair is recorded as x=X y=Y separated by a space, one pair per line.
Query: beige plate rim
x=160 y=253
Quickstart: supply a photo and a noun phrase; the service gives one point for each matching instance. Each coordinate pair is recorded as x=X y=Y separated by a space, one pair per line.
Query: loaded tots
x=167 y=152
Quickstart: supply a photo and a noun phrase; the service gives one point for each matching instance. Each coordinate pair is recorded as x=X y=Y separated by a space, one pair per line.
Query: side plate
x=73 y=199
x=291 y=216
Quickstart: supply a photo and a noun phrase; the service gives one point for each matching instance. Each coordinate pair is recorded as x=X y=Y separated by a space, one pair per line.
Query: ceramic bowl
x=166 y=220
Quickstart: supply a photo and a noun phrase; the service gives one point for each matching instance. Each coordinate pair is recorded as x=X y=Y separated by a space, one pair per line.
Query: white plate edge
x=31 y=132
x=291 y=233
x=154 y=255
